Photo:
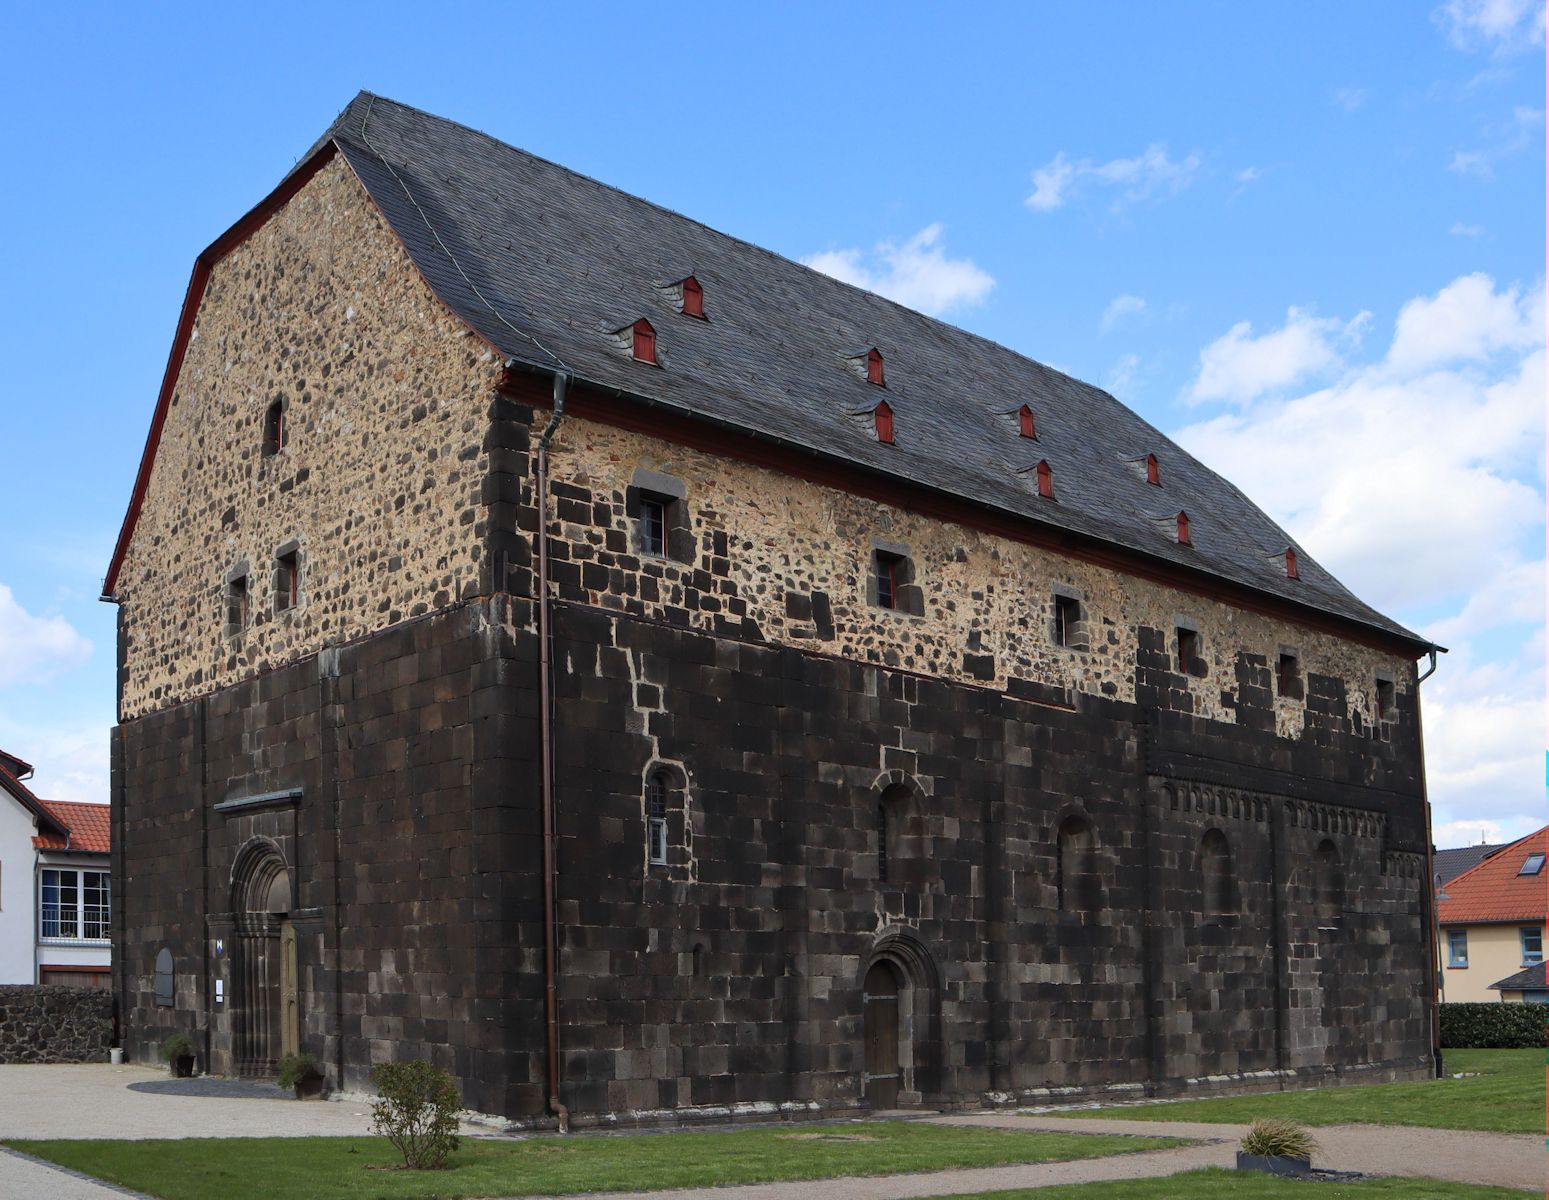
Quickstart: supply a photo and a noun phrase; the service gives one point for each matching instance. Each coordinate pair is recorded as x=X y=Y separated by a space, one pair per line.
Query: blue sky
x=1305 y=239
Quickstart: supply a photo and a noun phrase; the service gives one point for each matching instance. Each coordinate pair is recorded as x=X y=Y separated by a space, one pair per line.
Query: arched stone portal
x=265 y=1004
x=901 y=1023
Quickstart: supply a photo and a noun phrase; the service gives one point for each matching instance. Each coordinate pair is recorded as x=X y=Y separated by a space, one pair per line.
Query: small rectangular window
x=1532 y=945
x=287 y=580
x=656 y=820
x=1384 y=699
x=1287 y=676
x=653 y=526
x=886 y=570
x=1067 y=614
x=1188 y=649
x=237 y=596
x=1532 y=865
x=1457 y=947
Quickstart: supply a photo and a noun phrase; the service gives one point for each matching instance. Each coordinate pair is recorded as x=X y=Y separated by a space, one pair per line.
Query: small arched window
x=656 y=788
x=166 y=984
x=693 y=298
x=1290 y=564
x=1218 y=892
x=643 y=343
x=1153 y=470
x=900 y=848
x=275 y=431
x=1027 y=423
x=874 y=367
x=883 y=415
x=1329 y=883
x=1045 y=480
x=1076 y=874
x=1183 y=530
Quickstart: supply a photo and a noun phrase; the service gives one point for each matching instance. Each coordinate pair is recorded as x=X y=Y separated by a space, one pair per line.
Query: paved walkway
x=103 y=1101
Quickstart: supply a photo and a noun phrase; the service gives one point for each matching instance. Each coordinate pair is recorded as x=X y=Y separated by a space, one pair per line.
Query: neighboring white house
x=55 y=886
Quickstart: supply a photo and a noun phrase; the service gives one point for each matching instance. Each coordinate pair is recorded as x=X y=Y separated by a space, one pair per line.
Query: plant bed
x=1277 y=1148
x=1274 y=1164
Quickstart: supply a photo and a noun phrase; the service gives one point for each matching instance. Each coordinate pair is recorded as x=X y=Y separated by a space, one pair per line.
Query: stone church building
x=886 y=719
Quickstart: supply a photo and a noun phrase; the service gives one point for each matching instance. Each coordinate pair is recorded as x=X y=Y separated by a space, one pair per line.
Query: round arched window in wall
x=165 y=980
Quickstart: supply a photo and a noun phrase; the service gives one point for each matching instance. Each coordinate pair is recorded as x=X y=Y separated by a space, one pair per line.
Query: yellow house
x=1492 y=921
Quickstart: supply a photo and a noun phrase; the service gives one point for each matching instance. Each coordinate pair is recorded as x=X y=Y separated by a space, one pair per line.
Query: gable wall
x=381 y=478
x=18 y=894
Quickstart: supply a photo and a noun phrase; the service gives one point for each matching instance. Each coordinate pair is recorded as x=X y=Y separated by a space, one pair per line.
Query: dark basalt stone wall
x=50 y=1024
x=396 y=777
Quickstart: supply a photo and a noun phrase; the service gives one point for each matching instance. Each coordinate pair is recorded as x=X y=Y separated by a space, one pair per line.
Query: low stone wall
x=48 y=1024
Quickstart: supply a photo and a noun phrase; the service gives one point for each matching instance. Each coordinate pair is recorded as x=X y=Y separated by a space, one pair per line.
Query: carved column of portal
x=257 y=999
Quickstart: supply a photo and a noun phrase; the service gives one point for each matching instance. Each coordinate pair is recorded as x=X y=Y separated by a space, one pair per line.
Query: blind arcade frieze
x=1239 y=804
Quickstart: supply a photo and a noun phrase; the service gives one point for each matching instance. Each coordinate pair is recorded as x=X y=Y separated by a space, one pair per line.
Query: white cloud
x=1351 y=98
x=1502 y=140
x=71 y=762
x=1123 y=374
x=1501 y=26
x=1460 y=229
x=1416 y=479
x=1239 y=367
x=35 y=649
x=917 y=273
x=1152 y=173
x=1119 y=308
x=1467 y=320
x=1249 y=175
x=1471 y=162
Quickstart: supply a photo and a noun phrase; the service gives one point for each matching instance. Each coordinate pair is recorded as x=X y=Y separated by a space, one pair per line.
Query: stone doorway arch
x=901 y=1023
x=265 y=1003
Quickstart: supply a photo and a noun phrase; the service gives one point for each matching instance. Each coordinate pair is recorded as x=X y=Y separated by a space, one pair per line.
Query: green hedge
x=1493 y=1026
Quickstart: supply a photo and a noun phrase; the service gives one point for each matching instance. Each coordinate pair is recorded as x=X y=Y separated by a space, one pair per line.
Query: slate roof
x=1452 y=863
x=545 y=264
x=1529 y=979
x=88 y=827
x=1494 y=891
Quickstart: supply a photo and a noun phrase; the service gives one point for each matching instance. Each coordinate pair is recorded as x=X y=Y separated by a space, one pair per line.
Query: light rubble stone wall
x=761 y=536
x=387 y=396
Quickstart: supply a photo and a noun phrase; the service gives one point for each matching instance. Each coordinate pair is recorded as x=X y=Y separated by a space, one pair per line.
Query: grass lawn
x=1244 y=1185
x=314 y=1168
x=1507 y=1096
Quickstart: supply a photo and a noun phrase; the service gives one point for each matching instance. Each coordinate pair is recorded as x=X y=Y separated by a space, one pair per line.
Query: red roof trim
x=212 y=254
x=30 y=802
x=88 y=828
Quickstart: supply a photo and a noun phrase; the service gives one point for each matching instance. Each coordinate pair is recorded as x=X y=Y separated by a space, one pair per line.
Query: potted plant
x=177 y=1050
x=301 y=1074
x=1277 y=1148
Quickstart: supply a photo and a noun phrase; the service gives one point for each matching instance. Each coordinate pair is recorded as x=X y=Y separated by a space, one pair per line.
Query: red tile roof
x=1494 y=891
x=90 y=829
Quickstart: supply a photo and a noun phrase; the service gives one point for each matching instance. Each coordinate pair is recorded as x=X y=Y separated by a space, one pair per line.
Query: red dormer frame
x=693 y=298
x=883 y=415
x=1045 y=479
x=1027 y=424
x=1183 y=530
x=874 y=368
x=643 y=341
x=1290 y=563
x=1153 y=470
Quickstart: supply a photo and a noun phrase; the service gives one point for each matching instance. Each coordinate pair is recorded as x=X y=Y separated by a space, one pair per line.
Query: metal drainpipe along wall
x=546 y=761
x=1428 y=885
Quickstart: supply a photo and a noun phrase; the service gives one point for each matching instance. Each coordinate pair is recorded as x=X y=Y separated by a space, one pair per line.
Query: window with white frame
x=1457 y=947
x=74 y=905
x=1532 y=945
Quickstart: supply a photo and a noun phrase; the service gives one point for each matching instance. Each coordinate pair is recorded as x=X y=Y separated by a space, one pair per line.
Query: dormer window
x=874 y=367
x=883 y=416
x=274 y=429
x=1290 y=564
x=1153 y=471
x=1045 y=480
x=693 y=298
x=1183 y=530
x=643 y=342
x=1027 y=424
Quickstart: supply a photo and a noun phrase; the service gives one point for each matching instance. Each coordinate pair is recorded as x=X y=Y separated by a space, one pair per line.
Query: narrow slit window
x=1384 y=699
x=874 y=368
x=1287 y=676
x=693 y=298
x=653 y=526
x=1067 y=615
x=238 y=598
x=1027 y=423
x=1188 y=649
x=886 y=568
x=644 y=342
x=287 y=580
x=883 y=416
x=656 y=820
x=274 y=428
x=882 y=835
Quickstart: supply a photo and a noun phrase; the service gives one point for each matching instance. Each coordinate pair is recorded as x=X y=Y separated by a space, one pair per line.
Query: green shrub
x=1493 y=1026
x=176 y=1045
x=1279 y=1138
x=416 y=1111
x=296 y=1067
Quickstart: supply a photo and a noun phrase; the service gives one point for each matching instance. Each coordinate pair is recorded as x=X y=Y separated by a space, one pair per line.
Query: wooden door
x=880 y=998
x=290 y=997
